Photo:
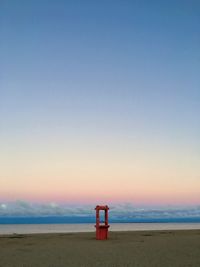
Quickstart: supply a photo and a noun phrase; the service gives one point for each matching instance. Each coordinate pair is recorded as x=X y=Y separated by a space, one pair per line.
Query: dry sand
x=123 y=249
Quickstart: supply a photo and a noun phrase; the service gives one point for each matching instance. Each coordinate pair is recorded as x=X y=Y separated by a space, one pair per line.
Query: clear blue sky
x=95 y=84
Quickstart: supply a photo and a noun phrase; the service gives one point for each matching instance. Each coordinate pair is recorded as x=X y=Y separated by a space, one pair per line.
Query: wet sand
x=123 y=249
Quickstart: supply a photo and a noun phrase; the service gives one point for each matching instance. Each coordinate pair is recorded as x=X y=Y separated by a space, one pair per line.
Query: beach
x=174 y=248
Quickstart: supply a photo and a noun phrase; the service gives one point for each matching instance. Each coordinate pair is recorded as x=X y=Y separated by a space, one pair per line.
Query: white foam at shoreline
x=73 y=228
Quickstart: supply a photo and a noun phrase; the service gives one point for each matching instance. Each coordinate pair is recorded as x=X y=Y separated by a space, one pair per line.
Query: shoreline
x=76 y=228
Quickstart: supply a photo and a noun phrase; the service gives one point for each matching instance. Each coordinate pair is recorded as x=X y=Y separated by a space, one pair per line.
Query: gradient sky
x=100 y=101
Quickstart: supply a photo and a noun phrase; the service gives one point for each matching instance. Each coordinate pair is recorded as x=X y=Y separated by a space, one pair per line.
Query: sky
x=100 y=102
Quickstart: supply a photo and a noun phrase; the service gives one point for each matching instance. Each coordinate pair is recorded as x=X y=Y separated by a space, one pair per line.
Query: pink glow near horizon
x=93 y=191
x=92 y=199
x=102 y=176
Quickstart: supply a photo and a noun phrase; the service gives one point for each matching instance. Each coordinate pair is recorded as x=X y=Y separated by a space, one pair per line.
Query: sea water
x=6 y=229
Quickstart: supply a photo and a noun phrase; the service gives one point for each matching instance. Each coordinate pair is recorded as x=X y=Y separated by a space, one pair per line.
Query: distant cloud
x=124 y=211
x=128 y=211
x=23 y=208
x=3 y=206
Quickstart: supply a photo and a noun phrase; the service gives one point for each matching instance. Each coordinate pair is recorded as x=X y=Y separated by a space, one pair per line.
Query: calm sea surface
x=70 y=228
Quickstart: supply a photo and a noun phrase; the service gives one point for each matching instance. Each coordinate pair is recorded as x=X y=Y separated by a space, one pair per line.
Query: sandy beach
x=123 y=249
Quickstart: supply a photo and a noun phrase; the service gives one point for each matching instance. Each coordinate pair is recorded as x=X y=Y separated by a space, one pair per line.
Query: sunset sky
x=100 y=101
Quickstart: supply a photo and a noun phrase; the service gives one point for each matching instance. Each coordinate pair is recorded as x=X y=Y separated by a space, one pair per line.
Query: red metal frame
x=102 y=229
